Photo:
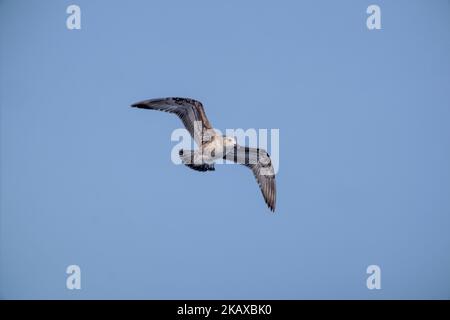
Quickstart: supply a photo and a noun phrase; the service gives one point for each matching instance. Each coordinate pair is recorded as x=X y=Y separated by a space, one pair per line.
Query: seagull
x=212 y=146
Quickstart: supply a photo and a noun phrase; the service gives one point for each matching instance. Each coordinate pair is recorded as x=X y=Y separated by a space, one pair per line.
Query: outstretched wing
x=190 y=112
x=258 y=160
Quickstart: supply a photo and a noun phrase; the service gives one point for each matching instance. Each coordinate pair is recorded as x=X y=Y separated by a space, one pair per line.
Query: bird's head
x=229 y=141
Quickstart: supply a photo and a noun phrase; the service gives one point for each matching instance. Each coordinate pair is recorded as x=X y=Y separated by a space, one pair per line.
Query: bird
x=213 y=146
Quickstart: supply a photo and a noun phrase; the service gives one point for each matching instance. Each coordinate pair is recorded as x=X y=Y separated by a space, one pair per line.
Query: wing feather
x=258 y=160
x=190 y=112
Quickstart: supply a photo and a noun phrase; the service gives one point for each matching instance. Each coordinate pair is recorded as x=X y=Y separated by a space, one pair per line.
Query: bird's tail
x=188 y=158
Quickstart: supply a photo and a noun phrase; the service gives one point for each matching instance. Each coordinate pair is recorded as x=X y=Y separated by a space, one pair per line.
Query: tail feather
x=188 y=159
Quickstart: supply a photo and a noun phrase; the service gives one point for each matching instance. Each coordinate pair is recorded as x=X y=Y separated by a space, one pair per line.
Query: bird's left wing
x=190 y=112
x=258 y=160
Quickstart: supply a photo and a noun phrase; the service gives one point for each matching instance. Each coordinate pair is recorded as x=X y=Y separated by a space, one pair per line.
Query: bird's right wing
x=258 y=160
x=190 y=112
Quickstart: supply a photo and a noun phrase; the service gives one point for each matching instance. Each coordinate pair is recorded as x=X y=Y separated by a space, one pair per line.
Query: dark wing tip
x=271 y=205
x=138 y=105
x=145 y=104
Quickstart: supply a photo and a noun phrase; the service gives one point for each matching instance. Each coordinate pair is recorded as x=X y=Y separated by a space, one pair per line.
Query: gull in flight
x=213 y=146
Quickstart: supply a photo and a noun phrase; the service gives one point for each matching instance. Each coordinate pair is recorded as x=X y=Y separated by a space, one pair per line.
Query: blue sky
x=364 y=173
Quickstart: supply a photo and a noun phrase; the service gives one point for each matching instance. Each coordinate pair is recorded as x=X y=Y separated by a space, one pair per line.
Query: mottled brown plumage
x=194 y=118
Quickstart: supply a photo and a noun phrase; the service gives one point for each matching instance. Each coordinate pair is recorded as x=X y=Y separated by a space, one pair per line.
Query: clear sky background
x=364 y=119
